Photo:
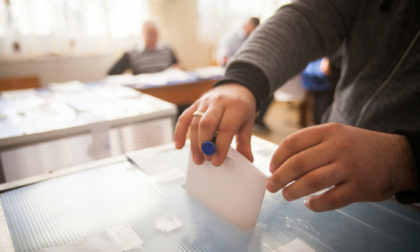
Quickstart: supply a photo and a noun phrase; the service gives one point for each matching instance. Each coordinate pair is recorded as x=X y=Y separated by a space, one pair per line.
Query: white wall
x=58 y=69
x=178 y=26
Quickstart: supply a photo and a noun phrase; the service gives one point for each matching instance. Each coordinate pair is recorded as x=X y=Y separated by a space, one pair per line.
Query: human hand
x=325 y=66
x=354 y=164
x=228 y=109
x=176 y=66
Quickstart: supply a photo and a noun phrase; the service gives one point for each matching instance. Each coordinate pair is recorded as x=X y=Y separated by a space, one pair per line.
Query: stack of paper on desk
x=235 y=190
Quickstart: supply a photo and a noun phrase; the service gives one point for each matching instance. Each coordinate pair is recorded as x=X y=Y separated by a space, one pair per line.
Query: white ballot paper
x=234 y=190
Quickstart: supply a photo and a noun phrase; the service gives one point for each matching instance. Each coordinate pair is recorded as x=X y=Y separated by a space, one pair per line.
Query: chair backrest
x=19 y=83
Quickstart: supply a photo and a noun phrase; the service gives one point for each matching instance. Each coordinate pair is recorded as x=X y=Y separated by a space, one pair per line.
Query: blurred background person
x=154 y=56
x=319 y=78
x=231 y=41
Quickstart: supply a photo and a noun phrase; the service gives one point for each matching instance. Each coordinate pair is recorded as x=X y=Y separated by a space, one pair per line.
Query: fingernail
x=269 y=185
x=306 y=202
x=215 y=160
x=197 y=159
x=285 y=195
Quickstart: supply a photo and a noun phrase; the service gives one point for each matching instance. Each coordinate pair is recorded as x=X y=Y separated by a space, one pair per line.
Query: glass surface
x=67 y=209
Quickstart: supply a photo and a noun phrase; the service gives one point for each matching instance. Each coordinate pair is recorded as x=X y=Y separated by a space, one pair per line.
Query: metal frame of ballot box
x=55 y=210
x=108 y=121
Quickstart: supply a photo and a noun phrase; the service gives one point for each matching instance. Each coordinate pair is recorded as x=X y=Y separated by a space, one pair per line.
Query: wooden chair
x=306 y=117
x=24 y=82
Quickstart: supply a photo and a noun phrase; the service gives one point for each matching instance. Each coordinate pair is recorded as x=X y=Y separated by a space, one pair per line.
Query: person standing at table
x=370 y=149
x=231 y=41
x=318 y=79
x=154 y=57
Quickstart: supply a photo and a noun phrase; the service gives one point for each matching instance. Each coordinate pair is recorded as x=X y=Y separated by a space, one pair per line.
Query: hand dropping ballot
x=235 y=190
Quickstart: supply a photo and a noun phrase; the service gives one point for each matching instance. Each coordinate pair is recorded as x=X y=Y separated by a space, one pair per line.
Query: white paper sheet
x=151 y=79
x=235 y=190
x=209 y=72
x=118 y=239
x=160 y=164
x=296 y=245
x=74 y=86
x=20 y=93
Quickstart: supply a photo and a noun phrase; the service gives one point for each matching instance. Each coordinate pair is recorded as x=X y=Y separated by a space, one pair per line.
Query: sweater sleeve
x=295 y=35
x=252 y=78
x=414 y=140
x=120 y=66
x=174 y=59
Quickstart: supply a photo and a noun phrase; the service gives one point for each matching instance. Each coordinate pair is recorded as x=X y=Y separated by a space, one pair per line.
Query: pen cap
x=208 y=148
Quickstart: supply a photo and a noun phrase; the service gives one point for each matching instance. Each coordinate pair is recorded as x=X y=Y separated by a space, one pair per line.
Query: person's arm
x=276 y=51
x=174 y=59
x=120 y=66
x=295 y=35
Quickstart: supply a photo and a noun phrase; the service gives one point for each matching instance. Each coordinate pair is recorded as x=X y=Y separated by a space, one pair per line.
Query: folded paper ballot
x=234 y=190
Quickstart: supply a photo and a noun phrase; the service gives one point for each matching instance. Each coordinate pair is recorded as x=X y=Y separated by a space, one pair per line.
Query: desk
x=180 y=93
x=172 y=85
x=86 y=200
x=45 y=130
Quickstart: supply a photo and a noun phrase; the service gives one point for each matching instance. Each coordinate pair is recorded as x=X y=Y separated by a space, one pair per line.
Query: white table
x=45 y=130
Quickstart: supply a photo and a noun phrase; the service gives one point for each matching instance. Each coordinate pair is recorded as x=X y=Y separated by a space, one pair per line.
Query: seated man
x=155 y=56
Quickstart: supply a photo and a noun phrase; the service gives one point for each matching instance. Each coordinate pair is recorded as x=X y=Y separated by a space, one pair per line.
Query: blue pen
x=208 y=147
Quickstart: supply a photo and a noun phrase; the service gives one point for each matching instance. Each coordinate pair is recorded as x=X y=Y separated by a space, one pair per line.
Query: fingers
x=207 y=127
x=298 y=165
x=307 y=162
x=353 y=164
x=197 y=156
x=182 y=126
x=296 y=142
x=204 y=127
x=243 y=141
x=337 y=197
x=227 y=109
x=232 y=123
x=190 y=121
x=313 y=182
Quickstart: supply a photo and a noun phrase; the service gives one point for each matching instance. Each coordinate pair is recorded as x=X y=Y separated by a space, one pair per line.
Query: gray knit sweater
x=379 y=87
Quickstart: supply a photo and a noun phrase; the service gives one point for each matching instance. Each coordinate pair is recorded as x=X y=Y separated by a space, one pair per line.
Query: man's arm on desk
x=120 y=66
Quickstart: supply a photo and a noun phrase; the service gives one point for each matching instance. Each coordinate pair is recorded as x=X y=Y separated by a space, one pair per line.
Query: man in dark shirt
x=155 y=56
x=370 y=149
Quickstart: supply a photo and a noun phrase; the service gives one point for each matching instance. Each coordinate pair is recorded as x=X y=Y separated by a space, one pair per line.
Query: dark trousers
x=263 y=108
x=321 y=102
